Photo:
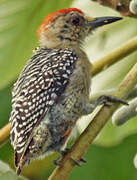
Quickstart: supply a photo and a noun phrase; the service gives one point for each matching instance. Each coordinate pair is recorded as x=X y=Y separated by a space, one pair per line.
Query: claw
x=108 y=100
x=63 y=153
x=116 y=99
x=83 y=160
x=75 y=162
x=57 y=162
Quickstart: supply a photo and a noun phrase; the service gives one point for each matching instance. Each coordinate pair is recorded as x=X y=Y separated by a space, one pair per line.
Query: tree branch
x=115 y=56
x=93 y=129
x=4 y=133
x=122 y=6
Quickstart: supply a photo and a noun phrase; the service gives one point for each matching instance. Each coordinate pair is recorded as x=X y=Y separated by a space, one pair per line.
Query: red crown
x=51 y=17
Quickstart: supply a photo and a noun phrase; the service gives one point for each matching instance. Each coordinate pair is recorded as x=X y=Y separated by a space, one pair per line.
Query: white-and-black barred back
x=42 y=81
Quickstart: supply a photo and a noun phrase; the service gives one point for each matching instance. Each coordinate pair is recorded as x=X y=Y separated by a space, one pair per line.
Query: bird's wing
x=42 y=81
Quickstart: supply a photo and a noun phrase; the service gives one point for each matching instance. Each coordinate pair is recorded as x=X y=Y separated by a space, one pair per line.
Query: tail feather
x=18 y=171
x=20 y=161
x=17 y=157
x=22 y=158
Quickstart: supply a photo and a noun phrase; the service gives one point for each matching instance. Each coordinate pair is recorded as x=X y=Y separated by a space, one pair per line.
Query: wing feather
x=42 y=81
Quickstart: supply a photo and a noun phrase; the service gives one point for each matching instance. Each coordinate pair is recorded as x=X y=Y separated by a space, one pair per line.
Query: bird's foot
x=57 y=161
x=78 y=163
x=109 y=100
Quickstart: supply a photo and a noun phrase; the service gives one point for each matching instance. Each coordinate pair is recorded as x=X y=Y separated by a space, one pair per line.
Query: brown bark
x=122 y=6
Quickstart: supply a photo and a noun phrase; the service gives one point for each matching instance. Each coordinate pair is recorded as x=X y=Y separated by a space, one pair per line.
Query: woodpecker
x=52 y=91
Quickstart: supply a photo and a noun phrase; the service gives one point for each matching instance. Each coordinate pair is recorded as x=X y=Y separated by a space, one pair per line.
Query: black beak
x=100 y=21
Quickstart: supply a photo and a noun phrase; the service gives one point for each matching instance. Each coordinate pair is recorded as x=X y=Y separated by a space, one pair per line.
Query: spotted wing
x=40 y=84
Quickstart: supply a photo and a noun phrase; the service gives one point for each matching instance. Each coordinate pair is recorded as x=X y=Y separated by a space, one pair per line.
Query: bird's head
x=69 y=26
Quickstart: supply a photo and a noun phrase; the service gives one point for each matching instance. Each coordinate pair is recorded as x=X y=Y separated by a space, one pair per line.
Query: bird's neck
x=51 y=40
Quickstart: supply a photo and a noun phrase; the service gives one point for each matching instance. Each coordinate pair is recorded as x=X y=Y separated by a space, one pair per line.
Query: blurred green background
x=111 y=156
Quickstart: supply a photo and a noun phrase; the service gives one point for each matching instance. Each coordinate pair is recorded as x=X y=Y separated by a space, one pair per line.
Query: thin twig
x=122 y=6
x=4 y=133
x=93 y=129
x=115 y=56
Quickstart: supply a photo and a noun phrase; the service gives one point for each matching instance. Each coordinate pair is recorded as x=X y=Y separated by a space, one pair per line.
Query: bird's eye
x=76 y=21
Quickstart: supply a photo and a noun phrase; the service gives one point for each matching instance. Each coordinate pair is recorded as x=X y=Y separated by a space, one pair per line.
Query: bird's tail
x=20 y=161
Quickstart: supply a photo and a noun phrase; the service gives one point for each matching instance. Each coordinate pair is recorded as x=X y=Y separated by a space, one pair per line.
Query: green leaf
x=5 y=105
x=18 y=23
x=6 y=173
